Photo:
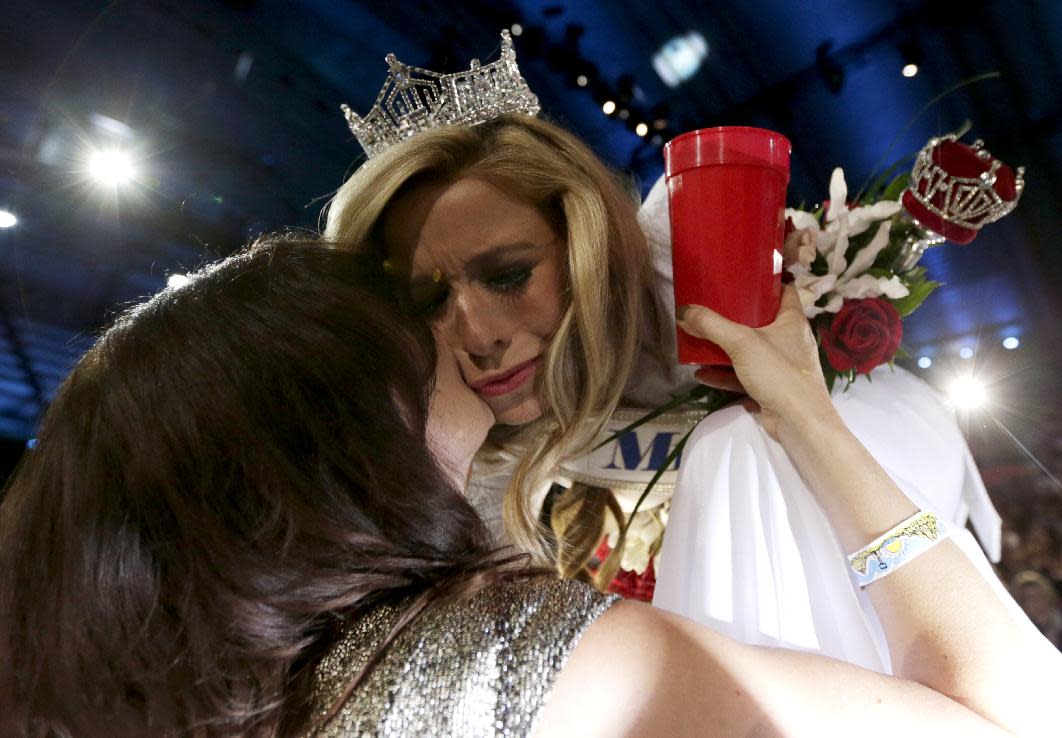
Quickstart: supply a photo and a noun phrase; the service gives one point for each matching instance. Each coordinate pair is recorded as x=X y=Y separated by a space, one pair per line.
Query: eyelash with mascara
x=505 y=283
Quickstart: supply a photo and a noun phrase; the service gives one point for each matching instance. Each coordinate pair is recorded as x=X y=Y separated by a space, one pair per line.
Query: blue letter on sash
x=632 y=454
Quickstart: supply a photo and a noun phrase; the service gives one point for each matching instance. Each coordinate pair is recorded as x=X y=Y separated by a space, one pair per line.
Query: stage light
x=911 y=54
x=1011 y=342
x=582 y=80
x=111 y=167
x=967 y=393
x=966 y=352
x=7 y=219
x=609 y=107
x=925 y=362
x=177 y=280
x=516 y=29
x=641 y=129
x=680 y=58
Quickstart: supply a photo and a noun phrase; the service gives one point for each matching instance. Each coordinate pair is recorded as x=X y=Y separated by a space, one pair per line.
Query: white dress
x=748 y=550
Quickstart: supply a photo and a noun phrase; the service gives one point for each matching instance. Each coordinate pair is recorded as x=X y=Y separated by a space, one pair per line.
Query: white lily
x=642 y=535
x=844 y=280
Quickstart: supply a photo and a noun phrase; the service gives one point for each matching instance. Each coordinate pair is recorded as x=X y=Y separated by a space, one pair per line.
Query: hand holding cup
x=777 y=365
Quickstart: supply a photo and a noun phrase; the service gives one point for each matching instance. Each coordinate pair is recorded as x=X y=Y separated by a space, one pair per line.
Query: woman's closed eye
x=509 y=280
x=429 y=296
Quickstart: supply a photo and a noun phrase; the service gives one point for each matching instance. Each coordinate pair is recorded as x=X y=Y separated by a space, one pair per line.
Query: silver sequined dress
x=480 y=667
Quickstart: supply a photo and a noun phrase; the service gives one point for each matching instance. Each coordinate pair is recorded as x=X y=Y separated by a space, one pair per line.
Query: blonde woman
x=527 y=254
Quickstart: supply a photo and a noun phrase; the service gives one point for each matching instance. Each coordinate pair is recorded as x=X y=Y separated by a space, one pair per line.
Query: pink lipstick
x=503 y=384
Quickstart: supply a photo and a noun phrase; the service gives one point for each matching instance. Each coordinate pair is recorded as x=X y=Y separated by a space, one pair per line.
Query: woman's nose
x=477 y=326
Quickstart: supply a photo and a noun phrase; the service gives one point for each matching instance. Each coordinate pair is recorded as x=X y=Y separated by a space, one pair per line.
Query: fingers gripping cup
x=726 y=194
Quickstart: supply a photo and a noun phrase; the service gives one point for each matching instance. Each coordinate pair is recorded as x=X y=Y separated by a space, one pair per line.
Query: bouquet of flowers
x=854 y=265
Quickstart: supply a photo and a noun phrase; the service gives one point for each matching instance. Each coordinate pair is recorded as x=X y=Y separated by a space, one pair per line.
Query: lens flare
x=968 y=393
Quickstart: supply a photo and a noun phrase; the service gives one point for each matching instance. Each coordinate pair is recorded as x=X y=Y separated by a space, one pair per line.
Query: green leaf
x=652 y=483
x=699 y=392
x=897 y=186
x=919 y=291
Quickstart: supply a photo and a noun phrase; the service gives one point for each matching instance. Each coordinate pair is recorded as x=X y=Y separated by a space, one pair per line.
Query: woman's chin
x=522 y=412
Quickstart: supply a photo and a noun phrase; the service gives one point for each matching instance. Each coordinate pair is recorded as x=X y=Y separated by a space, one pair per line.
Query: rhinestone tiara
x=414 y=100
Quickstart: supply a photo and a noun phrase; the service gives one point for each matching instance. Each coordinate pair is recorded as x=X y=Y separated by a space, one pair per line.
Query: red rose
x=864 y=334
x=628 y=584
x=632 y=586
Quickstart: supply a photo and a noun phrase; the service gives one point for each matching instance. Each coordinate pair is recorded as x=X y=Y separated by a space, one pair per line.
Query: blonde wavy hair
x=609 y=316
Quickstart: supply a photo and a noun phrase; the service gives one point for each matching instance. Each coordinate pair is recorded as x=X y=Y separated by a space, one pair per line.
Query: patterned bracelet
x=887 y=553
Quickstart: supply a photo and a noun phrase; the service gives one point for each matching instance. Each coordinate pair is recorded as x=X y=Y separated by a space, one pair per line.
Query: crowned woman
x=536 y=265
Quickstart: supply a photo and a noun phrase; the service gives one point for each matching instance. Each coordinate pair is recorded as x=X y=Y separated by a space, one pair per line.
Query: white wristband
x=901 y=544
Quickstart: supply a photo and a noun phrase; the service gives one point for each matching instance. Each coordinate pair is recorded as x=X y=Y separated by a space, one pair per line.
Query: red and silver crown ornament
x=955 y=189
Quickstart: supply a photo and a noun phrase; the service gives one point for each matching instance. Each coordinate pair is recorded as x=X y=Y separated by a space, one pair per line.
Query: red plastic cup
x=726 y=193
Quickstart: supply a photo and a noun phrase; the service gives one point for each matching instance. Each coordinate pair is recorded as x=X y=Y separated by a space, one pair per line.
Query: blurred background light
x=910 y=70
x=925 y=362
x=680 y=58
x=966 y=352
x=111 y=127
x=967 y=393
x=1011 y=342
x=7 y=219
x=609 y=107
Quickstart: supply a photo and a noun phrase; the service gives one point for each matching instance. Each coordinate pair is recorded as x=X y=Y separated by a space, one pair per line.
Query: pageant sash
x=628 y=463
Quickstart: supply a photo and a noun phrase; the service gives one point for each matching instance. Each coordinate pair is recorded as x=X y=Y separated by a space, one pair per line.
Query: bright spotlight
x=609 y=107
x=910 y=70
x=7 y=219
x=1011 y=342
x=176 y=280
x=111 y=167
x=925 y=362
x=641 y=129
x=966 y=352
x=967 y=393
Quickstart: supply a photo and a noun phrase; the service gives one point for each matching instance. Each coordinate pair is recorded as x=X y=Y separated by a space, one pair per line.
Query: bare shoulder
x=633 y=672
x=640 y=671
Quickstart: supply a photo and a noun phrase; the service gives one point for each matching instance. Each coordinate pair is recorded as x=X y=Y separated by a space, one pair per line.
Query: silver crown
x=414 y=100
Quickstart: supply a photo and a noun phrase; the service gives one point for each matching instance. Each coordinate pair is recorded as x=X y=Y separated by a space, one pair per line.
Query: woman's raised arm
x=965 y=663
x=945 y=626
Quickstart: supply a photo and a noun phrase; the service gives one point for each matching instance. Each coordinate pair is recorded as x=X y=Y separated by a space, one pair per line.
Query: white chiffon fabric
x=749 y=551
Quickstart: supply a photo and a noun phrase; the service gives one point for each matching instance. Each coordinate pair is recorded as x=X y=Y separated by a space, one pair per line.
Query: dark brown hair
x=236 y=468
